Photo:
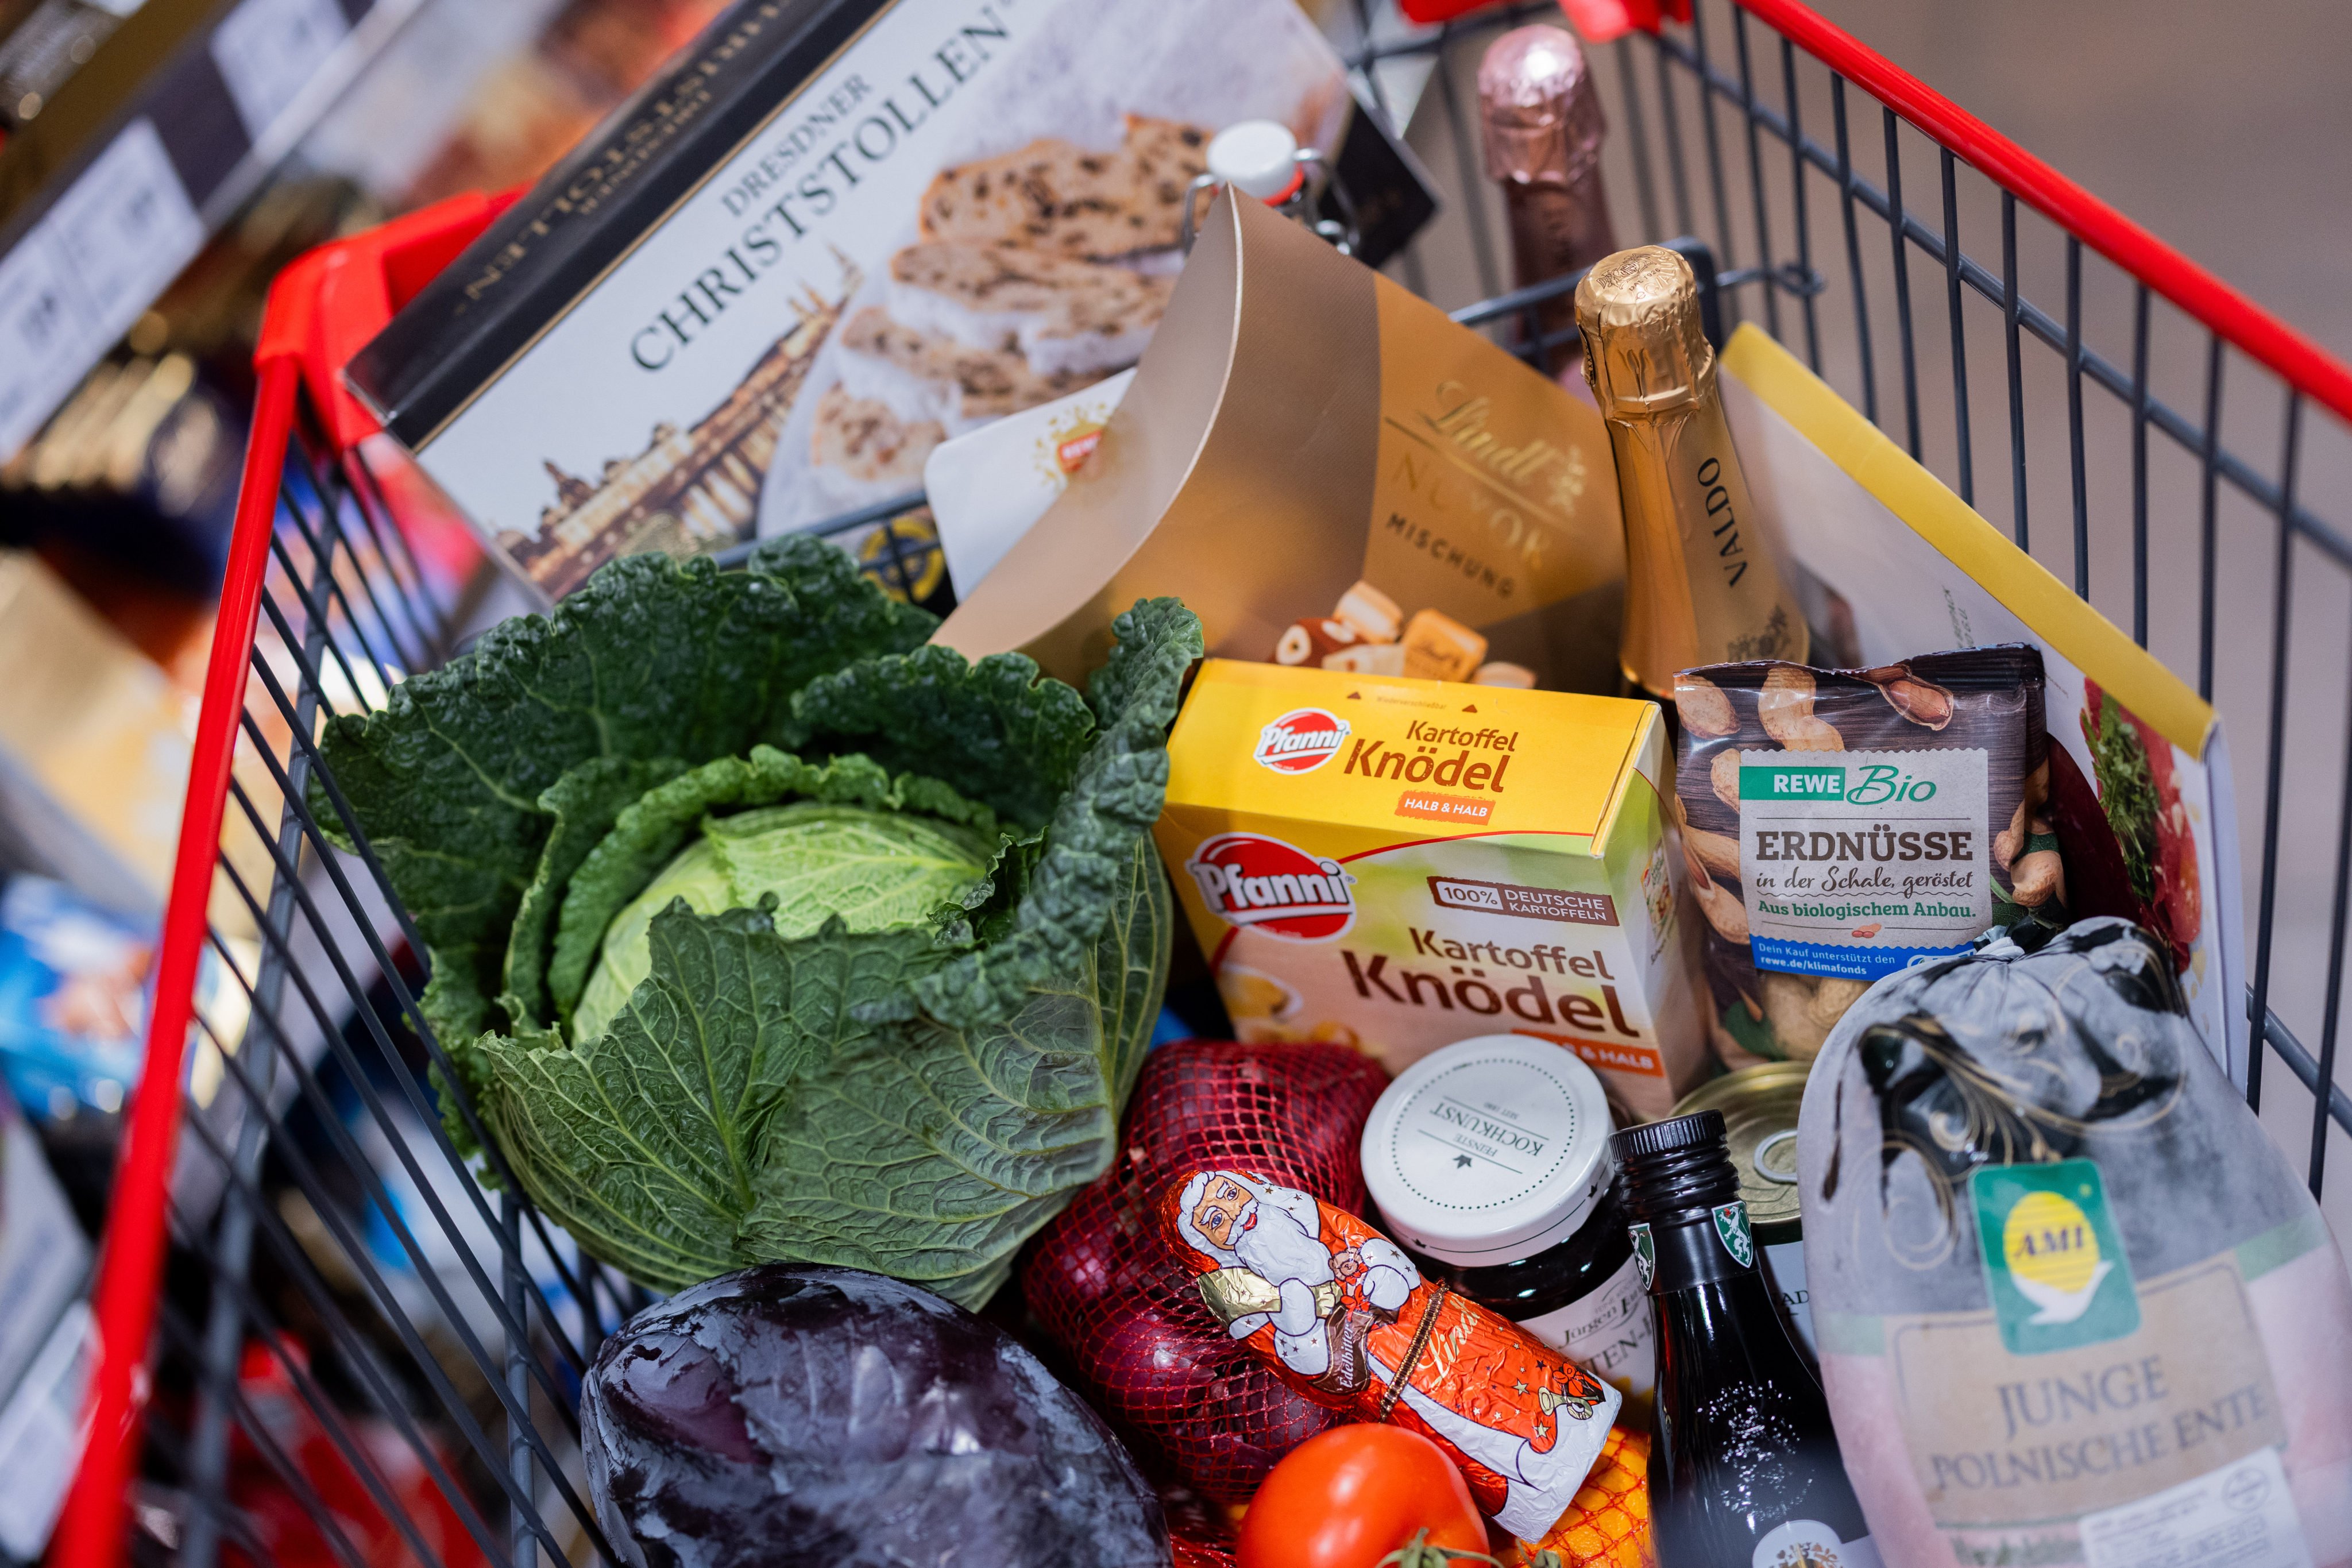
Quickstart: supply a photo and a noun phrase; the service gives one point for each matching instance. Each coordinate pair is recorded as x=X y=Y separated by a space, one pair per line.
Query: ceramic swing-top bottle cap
x=1257 y=157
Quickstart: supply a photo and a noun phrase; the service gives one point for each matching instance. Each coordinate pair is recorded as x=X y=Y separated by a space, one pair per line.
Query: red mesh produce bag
x=1121 y=1303
x=1199 y=1533
x=1190 y=1552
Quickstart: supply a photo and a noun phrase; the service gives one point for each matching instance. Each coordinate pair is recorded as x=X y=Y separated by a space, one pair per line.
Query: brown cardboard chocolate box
x=1301 y=427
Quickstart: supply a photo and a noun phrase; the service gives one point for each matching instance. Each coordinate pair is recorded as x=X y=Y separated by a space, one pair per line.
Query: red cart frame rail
x=444 y=1330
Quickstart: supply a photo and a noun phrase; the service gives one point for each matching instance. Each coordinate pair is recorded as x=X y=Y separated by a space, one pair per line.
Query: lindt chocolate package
x=1330 y=473
x=1841 y=825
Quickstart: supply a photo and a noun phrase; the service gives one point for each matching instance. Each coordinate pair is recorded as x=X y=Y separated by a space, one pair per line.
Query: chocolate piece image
x=1439 y=648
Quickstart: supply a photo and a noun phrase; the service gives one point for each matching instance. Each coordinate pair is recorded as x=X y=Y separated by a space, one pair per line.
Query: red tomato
x=1349 y=1497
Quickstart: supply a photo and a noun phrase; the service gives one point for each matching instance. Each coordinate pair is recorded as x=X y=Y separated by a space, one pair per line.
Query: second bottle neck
x=1696 y=1246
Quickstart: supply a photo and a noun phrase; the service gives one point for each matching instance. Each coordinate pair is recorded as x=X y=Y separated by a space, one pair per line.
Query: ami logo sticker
x=1300 y=741
x=1249 y=879
x=2054 y=1267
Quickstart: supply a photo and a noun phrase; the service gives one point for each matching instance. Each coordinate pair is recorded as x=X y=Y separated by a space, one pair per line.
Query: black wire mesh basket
x=342 y=1313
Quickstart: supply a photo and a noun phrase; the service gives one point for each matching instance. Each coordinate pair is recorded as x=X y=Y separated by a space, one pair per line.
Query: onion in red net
x=1200 y=1535
x=1115 y=1297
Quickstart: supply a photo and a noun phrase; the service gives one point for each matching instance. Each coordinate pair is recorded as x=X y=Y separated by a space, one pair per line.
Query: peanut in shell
x=1703 y=706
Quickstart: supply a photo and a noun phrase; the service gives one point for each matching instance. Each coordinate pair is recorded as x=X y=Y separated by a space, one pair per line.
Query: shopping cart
x=304 y=1297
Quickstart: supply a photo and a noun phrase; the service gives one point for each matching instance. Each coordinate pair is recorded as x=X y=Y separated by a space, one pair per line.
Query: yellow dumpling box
x=1400 y=864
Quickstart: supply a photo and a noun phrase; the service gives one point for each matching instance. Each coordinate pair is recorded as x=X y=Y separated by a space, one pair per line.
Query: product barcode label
x=2238 y=1516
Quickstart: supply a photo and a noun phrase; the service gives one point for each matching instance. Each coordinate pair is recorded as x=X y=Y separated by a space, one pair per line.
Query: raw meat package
x=2073 y=1304
x=1841 y=825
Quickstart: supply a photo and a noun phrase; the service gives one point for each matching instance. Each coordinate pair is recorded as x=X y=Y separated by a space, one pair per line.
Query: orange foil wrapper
x=1345 y=1317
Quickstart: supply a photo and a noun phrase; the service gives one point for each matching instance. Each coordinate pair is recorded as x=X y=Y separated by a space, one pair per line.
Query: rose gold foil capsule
x=1540 y=125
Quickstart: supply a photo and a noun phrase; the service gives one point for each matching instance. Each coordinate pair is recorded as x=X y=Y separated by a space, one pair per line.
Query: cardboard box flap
x=1434 y=758
x=1300 y=424
x=1240 y=407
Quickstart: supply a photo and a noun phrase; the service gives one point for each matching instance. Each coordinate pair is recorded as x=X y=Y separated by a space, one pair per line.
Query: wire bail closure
x=1261 y=158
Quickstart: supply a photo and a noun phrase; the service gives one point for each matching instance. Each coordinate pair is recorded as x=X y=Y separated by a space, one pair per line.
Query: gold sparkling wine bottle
x=1704 y=582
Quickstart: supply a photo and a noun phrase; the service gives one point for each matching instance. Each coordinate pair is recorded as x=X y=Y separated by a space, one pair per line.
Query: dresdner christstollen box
x=826 y=237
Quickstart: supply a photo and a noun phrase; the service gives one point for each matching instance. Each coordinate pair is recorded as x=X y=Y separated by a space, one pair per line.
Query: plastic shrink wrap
x=2074 y=1306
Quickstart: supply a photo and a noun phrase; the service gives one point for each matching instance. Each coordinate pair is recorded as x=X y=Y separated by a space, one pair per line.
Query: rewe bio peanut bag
x=1841 y=825
x=2073 y=1305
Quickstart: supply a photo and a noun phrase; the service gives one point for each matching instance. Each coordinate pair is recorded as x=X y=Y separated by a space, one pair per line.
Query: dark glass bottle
x=1745 y=1471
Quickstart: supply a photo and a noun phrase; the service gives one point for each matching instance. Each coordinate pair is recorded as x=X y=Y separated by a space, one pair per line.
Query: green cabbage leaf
x=651 y=659
x=760 y=929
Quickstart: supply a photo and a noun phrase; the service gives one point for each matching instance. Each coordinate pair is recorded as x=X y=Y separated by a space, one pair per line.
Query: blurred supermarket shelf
x=112 y=185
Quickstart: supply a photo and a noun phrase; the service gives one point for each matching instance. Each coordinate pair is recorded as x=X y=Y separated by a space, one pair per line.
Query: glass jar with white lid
x=1489 y=1161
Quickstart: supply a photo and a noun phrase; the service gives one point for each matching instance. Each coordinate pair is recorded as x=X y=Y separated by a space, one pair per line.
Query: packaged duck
x=1841 y=825
x=2073 y=1307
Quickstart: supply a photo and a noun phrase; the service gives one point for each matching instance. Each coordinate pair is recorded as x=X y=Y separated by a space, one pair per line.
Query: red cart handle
x=2296 y=359
x=1599 y=21
x=328 y=302
x=321 y=310
x=333 y=299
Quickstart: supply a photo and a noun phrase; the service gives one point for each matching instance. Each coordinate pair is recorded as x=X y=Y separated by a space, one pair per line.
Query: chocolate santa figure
x=1348 y=1319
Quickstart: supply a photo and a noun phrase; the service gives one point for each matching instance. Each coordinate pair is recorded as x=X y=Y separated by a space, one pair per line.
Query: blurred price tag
x=267 y=51
x=37 y=335
x=79 y=277
x=40 y=1433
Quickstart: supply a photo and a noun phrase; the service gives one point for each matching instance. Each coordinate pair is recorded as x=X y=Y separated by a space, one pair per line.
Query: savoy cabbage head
x=761 y=930
x=873 y=869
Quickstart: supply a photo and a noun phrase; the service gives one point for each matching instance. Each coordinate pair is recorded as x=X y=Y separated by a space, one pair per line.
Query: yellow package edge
x=1646 y=744
x=1923 y=503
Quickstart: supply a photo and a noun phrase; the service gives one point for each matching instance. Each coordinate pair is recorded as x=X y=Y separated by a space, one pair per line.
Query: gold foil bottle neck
x=1644 y=351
